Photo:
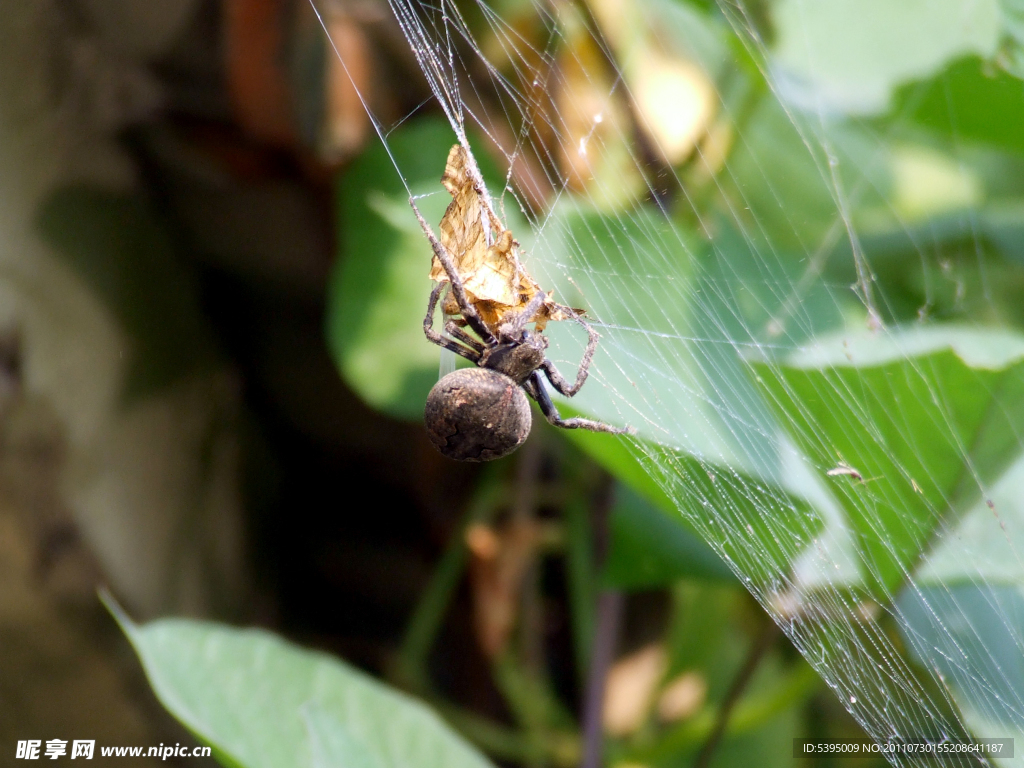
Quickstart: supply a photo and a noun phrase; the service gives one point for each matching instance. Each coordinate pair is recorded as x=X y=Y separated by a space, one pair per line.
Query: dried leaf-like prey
x=485 y=254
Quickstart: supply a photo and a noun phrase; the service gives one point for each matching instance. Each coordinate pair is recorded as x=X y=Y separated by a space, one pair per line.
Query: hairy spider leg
x=453 y=330
x=534 y=387
x=556 y=378
x=468 y=310
x=513 y=327
x=428 y=329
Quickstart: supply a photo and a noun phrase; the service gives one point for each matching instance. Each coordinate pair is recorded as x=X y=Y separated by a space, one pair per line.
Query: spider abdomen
x=477 y=414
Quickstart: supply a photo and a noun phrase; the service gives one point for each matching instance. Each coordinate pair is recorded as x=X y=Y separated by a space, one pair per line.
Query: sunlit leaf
x=926 y=418
x=687 y=487
x=968 y=101
x=848 y=54
x=262 y=702
x=971 y=634
x=378 y=292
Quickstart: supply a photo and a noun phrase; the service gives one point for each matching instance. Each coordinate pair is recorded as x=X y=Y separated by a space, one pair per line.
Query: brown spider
x=481 y=413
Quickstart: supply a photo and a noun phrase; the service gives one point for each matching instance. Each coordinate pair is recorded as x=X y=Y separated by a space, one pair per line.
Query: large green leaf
x=972 y=634
x=669 y=482
x=968 y=101
x=262 y=702
x=981 y=546
x=964 y=613
x=927 y=417
x=667 y=363
x=377 y=294
x=780 y=182
x=1012 y=48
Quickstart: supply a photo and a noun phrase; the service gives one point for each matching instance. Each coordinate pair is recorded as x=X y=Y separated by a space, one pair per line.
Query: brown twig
x=761 y=644
x=606 y=635
x=524 y=513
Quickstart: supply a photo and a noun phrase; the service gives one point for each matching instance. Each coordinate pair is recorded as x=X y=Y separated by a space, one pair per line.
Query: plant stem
x=524 y=513
x=582 y=577
x=609 y=613
x=606 y=635
x=761 y=644
x=410 y=666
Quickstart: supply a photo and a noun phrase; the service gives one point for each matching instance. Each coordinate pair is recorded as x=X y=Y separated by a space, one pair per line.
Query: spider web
x=800 y=418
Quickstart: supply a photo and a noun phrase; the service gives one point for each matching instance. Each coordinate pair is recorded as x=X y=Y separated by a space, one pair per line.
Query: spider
x=481 y=413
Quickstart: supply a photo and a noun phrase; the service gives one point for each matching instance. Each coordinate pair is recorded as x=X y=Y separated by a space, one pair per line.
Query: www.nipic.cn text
x=36 y=749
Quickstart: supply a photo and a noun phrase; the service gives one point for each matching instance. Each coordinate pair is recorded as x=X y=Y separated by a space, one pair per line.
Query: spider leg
x=557 y=380
x=514 y=326
x=453 y=330
x=534 y=387
x=428 y=329
x=465 y=306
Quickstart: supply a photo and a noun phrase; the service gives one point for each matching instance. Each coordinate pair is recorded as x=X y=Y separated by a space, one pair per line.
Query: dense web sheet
x=814 y=431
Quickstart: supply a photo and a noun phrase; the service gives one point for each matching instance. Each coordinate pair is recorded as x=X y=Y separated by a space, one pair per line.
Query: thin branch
x=606 y=636
x=421 y=632
x=609 y=615
x=739 y=684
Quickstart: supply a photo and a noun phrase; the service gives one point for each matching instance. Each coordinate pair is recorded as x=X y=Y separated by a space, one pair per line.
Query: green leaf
x=982 y=547
x=849 y=54
x=778 y=525
x=1011 y=54
x=262 y=702
x=332 y=745
x=705 y=632
x=964 y=615
x=971 y=635
x=779 y=184
x=926 y=416
x=657 y=368
x=969 y=100
x=377 y=293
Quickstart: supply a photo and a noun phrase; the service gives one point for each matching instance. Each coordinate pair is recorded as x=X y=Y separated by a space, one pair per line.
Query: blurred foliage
x=649 y=548
x=118 y=244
